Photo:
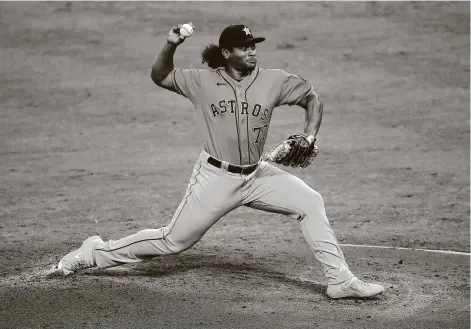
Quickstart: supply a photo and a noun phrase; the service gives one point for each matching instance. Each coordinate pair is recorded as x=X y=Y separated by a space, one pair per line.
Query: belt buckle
x=250 y=169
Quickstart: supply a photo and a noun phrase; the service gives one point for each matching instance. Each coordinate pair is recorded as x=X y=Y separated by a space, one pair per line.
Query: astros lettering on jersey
x=238 y=113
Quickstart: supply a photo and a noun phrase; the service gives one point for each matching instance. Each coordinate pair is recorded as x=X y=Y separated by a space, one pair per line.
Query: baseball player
x=235 y=100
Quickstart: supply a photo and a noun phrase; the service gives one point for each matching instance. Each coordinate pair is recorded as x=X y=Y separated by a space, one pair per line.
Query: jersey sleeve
x=293 y=89
x=186 y=82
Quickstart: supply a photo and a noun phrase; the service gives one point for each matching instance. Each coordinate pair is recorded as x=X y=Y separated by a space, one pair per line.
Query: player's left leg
x=275 y=190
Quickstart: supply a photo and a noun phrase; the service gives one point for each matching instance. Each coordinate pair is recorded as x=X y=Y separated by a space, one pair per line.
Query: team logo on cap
x=246 y=30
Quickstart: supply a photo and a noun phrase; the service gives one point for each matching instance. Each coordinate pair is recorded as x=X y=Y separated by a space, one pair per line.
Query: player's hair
x=212 y=56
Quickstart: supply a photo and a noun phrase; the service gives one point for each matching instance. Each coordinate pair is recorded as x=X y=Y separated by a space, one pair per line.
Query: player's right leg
x=211 y=193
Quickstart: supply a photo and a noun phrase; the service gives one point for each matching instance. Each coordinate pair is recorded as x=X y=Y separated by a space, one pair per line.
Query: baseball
x=186 y=30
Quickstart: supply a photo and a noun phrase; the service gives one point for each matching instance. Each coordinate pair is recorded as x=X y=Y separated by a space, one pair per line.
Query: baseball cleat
x=354 y=288
x=79 y=259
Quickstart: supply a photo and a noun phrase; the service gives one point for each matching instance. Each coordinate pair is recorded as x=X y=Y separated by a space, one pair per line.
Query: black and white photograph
x=235 y=164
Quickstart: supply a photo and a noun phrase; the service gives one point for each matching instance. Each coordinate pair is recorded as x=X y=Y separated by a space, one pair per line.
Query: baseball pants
x=213 y=192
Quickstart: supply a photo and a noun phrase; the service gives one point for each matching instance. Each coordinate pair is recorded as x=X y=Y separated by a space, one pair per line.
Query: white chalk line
x=51 y=269
x=450 y=252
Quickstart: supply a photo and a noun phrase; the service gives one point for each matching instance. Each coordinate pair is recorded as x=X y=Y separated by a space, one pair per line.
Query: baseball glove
x=299 y=150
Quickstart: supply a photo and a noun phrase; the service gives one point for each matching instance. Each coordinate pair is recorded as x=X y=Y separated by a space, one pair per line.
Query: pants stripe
x=189 y=191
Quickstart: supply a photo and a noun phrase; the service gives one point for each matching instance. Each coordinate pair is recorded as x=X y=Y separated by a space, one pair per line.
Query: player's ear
x=225 y=53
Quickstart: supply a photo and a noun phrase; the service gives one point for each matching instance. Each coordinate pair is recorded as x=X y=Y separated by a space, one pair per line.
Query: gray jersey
x=235 y=115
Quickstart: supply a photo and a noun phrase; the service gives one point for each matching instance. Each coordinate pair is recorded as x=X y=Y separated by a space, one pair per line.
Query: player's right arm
x=162 y=66
x=163 y=63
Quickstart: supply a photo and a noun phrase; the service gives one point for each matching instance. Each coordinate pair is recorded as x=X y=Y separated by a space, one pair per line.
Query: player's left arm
x=314 y=106
x=294 y=90
x=299 y=150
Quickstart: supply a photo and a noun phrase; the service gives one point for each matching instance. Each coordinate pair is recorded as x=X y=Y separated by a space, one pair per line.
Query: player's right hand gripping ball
x=186 y=30
x=299 y=150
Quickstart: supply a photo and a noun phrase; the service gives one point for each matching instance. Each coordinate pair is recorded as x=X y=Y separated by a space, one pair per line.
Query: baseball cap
x=237 y=35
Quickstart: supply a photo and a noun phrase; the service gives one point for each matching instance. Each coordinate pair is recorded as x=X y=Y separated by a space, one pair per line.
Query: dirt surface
x=89 y=145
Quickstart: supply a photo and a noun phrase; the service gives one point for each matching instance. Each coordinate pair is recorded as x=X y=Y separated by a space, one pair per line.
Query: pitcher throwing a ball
x=235 y=100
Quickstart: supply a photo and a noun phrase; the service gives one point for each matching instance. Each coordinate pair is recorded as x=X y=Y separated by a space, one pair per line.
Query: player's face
x=243 y=58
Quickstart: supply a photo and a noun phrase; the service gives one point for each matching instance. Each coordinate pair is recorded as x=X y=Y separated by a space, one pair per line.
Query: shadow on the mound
x=179 y=264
